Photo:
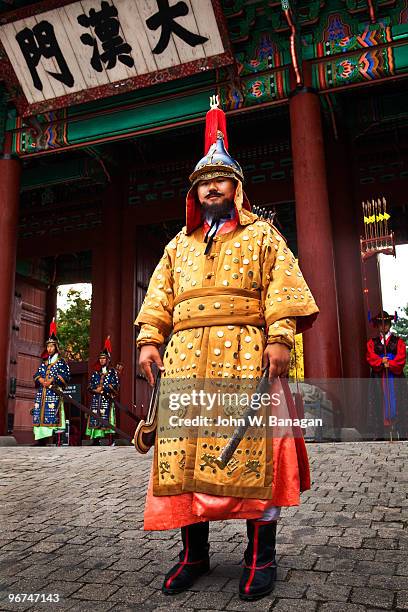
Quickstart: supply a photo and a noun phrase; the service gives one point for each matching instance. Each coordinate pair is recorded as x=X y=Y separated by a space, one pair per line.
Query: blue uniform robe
x=48 y=406
x=102 y=403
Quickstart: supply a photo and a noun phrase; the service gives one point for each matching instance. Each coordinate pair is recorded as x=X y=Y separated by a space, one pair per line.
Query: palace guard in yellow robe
x=230 y=292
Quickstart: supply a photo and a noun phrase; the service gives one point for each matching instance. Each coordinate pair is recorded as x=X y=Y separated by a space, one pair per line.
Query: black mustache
x=213 y=193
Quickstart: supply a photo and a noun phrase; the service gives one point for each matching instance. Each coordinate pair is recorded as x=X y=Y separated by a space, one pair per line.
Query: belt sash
x=209 y=306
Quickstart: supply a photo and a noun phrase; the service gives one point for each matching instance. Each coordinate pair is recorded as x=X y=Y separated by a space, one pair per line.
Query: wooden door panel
x=26 y=347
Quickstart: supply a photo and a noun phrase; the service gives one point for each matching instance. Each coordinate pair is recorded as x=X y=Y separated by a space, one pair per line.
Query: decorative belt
x=209 y=306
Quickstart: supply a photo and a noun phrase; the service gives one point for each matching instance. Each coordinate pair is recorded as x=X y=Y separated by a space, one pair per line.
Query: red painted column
x=128 y=315
x=98 y=289
x=112 y=265
x=106 y=318
x=314 y=234
x=346 y=216
x=106 y=278
x=9 y=200
x=372 y=299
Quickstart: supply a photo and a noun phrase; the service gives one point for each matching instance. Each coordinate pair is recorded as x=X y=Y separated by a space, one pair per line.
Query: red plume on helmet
x=52 y=339
x=215 y=121
x=53 y=328
x=105 y=352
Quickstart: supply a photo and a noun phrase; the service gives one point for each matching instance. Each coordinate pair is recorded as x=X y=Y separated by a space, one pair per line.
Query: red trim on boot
x=259 y=567
x=182 y=563
x=254 y=555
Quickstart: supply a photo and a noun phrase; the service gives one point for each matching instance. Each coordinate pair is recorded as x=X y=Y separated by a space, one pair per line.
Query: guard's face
x=384 y=329
x=51 y=349
x=103 y=361
x=214 y=192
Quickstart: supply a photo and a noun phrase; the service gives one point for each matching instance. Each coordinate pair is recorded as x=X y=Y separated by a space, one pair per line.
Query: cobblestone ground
x=71 y=523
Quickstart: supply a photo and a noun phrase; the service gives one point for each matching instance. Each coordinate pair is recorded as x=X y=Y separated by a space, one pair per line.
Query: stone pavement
x=71 y=523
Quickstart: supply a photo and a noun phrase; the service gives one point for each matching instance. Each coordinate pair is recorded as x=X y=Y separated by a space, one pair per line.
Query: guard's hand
x=47 y=383
x=276 y=358
x=385 y=361
x=149 y=354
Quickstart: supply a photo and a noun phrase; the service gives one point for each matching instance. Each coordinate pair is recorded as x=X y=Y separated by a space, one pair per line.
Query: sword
x=239 y=432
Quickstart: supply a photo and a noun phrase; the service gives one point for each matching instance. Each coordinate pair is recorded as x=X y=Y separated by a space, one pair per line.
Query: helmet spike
x=215 y=121
x=214 y=101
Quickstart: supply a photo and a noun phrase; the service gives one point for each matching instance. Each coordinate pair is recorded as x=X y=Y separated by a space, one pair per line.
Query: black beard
x=219 y=211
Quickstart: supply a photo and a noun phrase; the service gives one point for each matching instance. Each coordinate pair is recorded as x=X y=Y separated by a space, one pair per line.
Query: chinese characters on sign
x=96 y=42
x=165 y=18
x=41 y=41
x=106 y=26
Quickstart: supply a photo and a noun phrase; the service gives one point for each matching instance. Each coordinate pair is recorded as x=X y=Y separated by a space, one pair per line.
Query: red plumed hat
x=107 y=349
x=105 y=352
x=216 y=161
x=52 y=338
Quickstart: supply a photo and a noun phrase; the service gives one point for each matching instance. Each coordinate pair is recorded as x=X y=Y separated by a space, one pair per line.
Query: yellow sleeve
x=283 y=332
x=285 y=292
x=149 y=335
x=157 y=307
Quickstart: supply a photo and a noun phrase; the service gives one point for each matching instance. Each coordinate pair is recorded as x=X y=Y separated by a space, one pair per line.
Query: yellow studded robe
x=222 y=309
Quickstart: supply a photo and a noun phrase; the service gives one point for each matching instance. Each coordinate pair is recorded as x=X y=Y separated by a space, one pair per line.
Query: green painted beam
x=62 y=172
x=152 y=115
x=33 y=269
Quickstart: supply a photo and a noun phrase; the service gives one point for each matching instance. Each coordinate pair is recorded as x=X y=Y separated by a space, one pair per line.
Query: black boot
x=41 y=442
x=259 y=574
x=194 y=560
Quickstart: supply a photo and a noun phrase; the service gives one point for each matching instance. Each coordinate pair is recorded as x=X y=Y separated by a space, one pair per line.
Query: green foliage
x=74 y=326
x=400 y=328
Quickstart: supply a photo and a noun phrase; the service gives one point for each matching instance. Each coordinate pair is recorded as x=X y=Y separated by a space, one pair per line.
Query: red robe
x=386 y=397
x=396 y=365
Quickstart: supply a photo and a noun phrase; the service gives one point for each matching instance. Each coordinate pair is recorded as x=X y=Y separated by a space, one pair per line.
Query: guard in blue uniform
x=104 y=386
x=50 y=379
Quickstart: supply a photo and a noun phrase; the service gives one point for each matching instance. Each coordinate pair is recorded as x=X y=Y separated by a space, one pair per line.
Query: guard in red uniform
x=386 y=355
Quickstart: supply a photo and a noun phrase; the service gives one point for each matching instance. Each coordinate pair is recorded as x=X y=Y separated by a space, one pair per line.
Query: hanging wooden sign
x=95 y=48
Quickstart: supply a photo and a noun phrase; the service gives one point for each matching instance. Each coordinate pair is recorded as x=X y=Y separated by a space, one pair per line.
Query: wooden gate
x=27 y=343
